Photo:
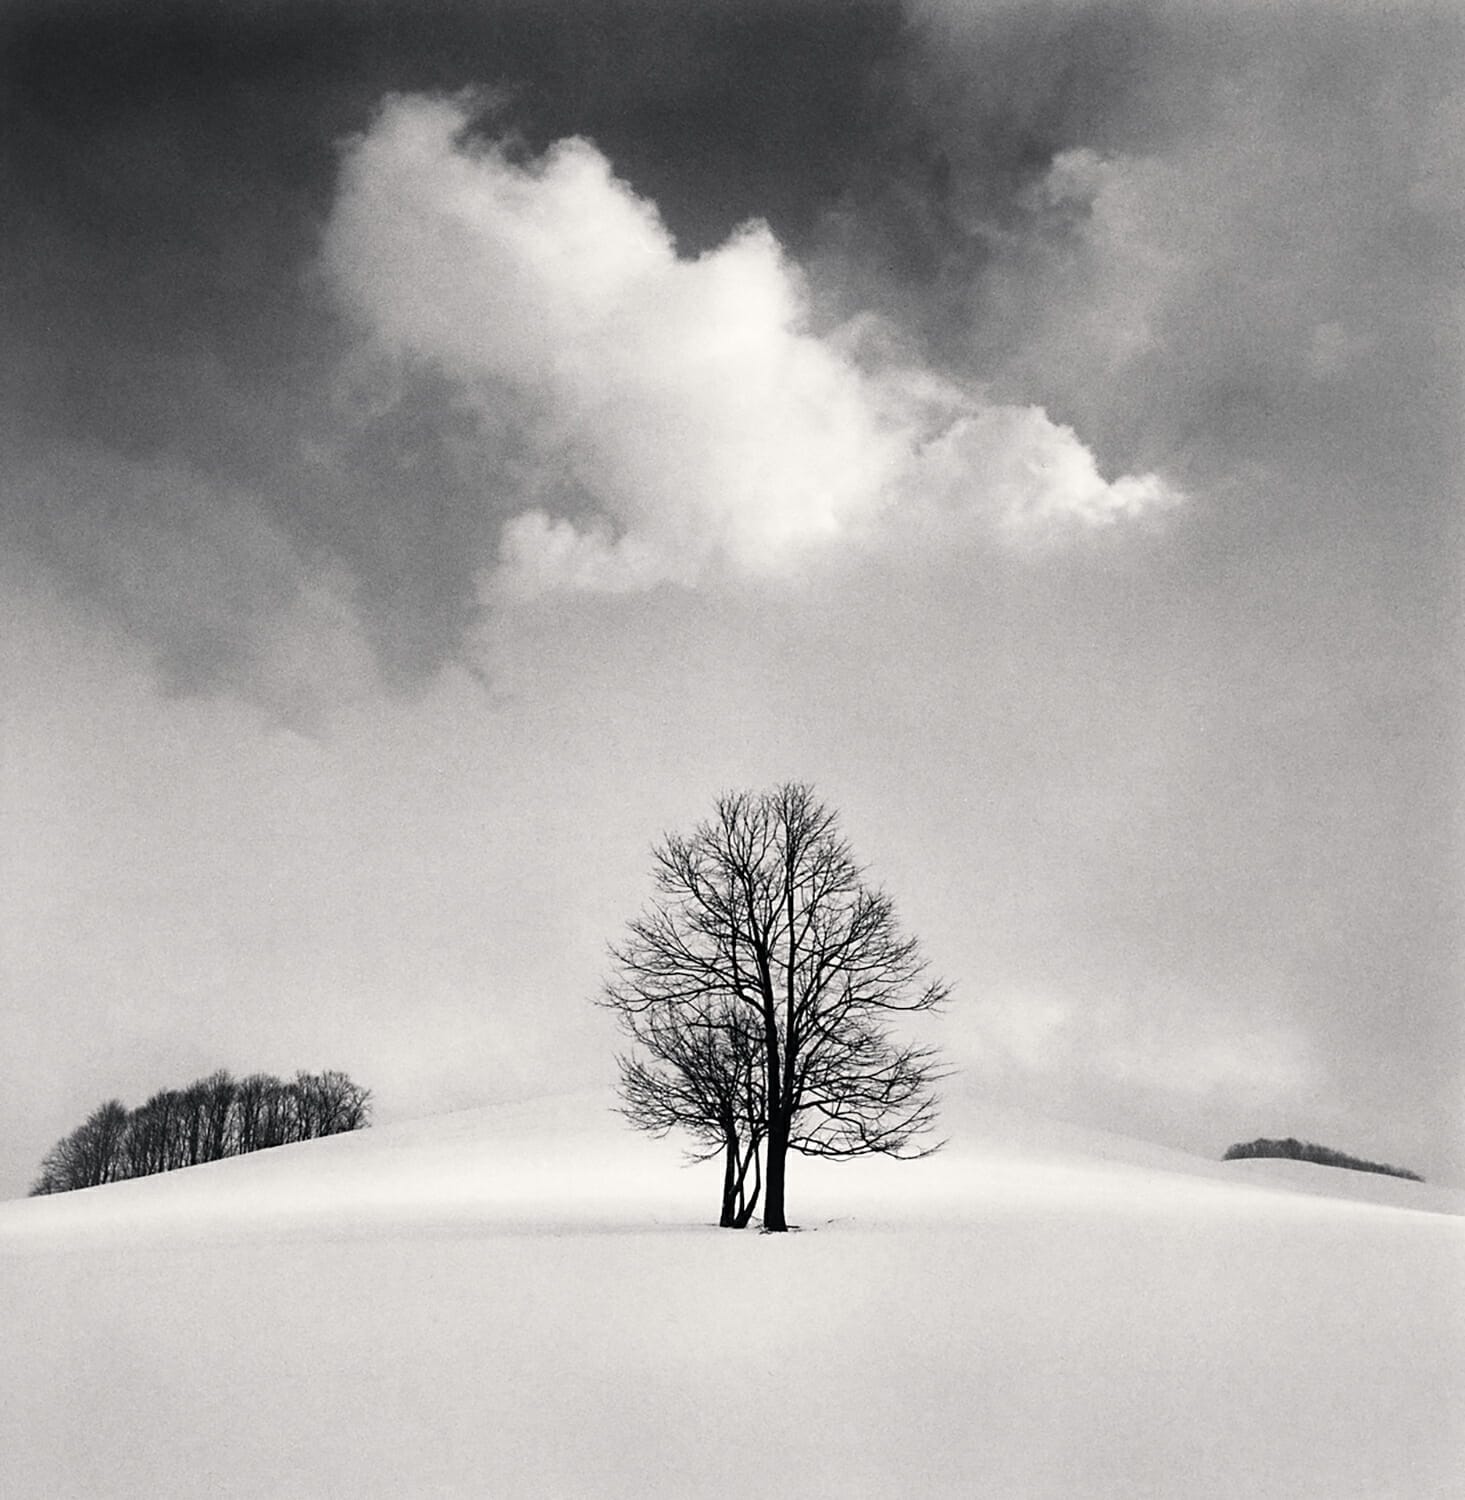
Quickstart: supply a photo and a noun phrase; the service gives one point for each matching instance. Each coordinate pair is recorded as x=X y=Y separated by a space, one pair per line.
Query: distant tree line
x=1324 y=1156
x=210 y=1119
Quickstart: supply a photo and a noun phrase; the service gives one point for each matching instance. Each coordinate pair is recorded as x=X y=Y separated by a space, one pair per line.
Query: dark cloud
x=1260 y=181
x=165 y=171
x=1240 y=284
x=166 y=168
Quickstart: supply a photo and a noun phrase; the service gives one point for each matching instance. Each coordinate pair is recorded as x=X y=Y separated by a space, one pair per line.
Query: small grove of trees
x=210 y=1119
x=1295 y=1150
x=756 y=991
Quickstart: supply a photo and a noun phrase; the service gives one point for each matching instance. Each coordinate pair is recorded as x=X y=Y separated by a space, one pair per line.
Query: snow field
x=531 y=1303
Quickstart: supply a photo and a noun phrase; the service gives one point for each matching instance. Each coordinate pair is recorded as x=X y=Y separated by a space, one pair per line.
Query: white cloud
x=686 y=417
x=1033 y=475
x=540 y=554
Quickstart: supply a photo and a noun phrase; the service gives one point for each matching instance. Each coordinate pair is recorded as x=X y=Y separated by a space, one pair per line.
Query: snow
x=531 y=1301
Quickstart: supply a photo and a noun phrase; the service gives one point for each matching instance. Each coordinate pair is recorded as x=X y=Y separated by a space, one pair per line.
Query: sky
x=444 y=445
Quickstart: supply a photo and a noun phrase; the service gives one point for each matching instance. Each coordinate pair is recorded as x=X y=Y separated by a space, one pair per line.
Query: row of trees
x=1295 y=1150
x=210 y=1119
x=756 y=991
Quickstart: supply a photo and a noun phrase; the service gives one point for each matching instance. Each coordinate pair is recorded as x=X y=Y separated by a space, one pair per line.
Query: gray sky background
x=443 y=445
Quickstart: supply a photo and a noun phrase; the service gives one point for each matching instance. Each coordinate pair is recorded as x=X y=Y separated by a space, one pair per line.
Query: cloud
x=1033 y=474
x=1173 y=1050
x=686 y=417
x=1233 y=242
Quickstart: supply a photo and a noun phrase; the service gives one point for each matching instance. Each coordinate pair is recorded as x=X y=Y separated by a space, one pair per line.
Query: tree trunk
x=779 y=1121
x=730 y=1186
x=747 y=1203
x=778 y=1132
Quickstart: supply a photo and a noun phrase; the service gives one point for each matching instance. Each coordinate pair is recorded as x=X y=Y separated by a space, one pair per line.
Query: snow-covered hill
x=530 y=1300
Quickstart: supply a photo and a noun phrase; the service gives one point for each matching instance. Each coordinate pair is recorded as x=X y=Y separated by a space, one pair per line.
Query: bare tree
x=220 y=1089
x=328 y=1104
x=307 y=1107
x=155 y=1140
x=248 y=1129
x=89 y=1156
x=99 y=1144
x=343 y=1105
x=705 y=1075
x=55 y=1172
x=764 y=910
x=278 y=1115
x=193 y=1103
